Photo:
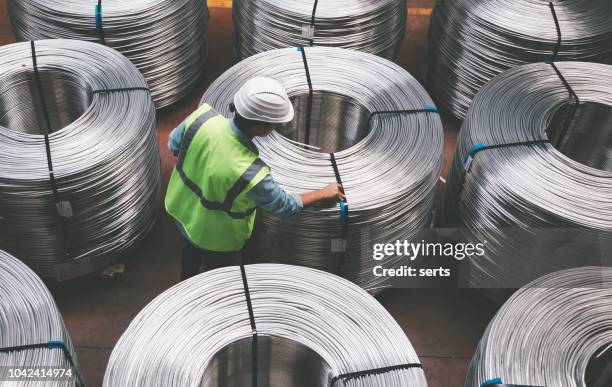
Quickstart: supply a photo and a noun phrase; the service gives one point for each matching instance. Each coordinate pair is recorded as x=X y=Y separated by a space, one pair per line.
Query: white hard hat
x=264 y=99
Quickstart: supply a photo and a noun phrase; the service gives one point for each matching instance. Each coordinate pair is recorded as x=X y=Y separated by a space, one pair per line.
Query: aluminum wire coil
x=555 y=195
x=389 y=173
x=373 y=26
x=176 y=340
x=28 y=315
x=104 y=156
x=166 y=39
x=548 y=331
x=472 y=41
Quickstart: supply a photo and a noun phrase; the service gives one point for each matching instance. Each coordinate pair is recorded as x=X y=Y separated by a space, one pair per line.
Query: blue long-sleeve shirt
x=267 y=194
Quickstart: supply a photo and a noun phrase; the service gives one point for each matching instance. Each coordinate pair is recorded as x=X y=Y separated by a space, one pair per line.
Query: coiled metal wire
x=538 y=207
x=546 y=334
x=103 y=149
x=167 y=40
x=373 y=26
x=28 y=315
x=389 y=165
x=472 y=41
x=198 y=334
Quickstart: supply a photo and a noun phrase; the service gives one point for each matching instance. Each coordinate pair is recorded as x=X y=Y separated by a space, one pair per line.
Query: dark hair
x=244 y=123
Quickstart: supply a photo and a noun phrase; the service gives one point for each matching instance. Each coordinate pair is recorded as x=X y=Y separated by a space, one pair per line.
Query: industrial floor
x=444 y=325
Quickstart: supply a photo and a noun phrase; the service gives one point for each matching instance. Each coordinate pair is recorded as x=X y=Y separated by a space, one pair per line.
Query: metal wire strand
x=389 y=173
x=191 y=335
x=104 y=156
x=548 y=331
x=472 y=41
x=556 y=192
x=373 y=26
x=28 y=315
x=165 y=39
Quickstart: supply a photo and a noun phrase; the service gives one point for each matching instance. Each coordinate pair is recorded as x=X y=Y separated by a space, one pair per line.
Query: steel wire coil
x=373 y=26
x=167 y=40
x=103 y=150
x=472 y=41
x=28 y=315
x=540 y=207
x=389 y=173
x=198 y=333
x=547 y=333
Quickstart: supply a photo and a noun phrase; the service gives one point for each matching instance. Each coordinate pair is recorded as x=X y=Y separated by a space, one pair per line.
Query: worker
x=219 y=180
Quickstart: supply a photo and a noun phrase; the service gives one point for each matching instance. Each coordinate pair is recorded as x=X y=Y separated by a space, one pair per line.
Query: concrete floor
x=444 y=325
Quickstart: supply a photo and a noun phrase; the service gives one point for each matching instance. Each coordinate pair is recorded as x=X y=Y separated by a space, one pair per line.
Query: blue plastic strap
x=56 y=344
x=492 y=382
x=467 y=163
x=480 y=147
x=343 y=209
x=98 y=18
x=497 y=382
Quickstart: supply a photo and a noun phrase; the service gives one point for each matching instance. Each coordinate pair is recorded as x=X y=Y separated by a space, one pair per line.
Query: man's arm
x=331 y=192
x=272 y=198
x=175 y=139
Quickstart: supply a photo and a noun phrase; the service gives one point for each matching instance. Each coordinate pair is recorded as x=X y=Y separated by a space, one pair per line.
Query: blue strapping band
x=299 y=49
x=98 y=16
x=56 y=344
x=492 y=382
x=343 y=209
x=473 y=150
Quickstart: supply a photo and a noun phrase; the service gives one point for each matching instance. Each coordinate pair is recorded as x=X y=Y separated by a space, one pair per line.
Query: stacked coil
x=549 y=333
x=541 y=198
x=165 y=39
x=389 y=164
x=373 y=26
x=29 y=317
x=102 y=196
x=472 y=41
x=198 y=333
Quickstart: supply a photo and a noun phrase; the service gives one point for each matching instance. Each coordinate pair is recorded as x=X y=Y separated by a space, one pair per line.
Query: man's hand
x=331 y=192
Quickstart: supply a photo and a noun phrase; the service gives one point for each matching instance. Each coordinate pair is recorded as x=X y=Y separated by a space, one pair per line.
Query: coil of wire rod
x=167 y=40
x=199 y=333
x=71 y=207
x=539 y=192
x=389 y=173
x=549 y=333
x=472 y=41
x=376 y=27
x=32 y=332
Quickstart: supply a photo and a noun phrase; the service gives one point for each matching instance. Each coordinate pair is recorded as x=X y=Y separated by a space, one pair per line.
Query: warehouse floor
x=444 y=325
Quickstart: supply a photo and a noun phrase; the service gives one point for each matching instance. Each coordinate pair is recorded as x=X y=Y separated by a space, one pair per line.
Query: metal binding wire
x=472 y=41
x=373 y=26
x=389 y=164
x=198 y=333
x=532 y=173
x=33 y=332
x=165 y=39
x=79 y=173
x=548 y=332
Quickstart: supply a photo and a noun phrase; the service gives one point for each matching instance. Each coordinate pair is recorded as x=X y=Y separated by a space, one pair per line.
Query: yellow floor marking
x=420 y=11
